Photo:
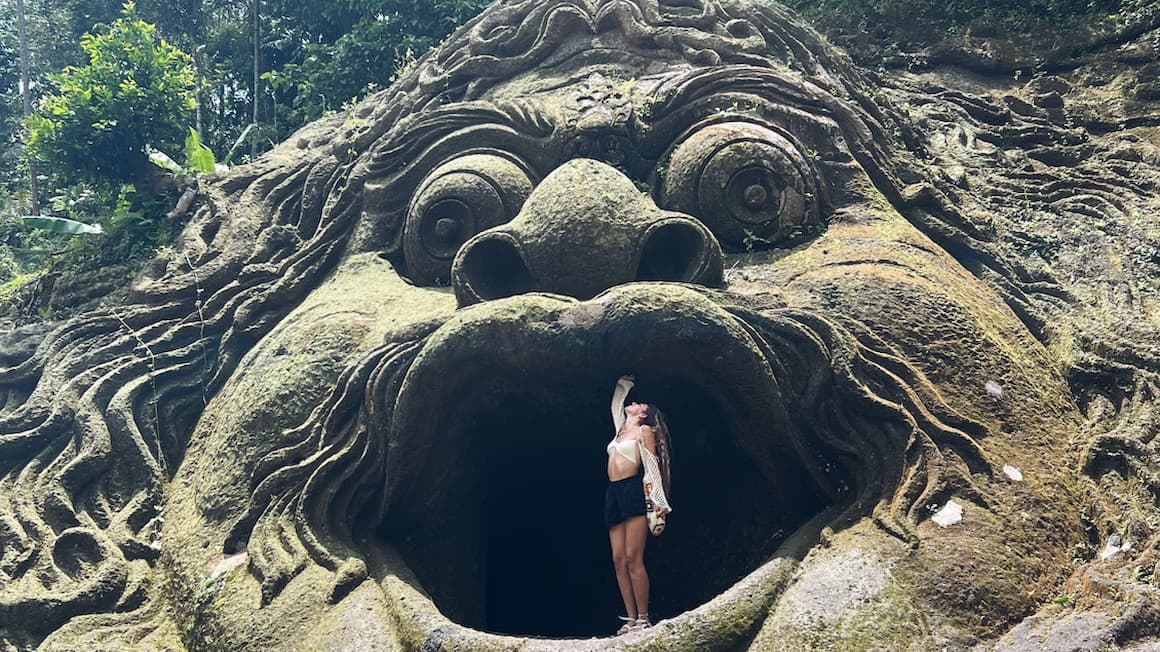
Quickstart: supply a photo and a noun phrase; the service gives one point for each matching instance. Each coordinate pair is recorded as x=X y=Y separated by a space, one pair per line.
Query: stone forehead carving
x=297 y=433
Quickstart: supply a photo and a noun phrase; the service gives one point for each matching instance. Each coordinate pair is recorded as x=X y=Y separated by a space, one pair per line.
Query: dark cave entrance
x=527 y=552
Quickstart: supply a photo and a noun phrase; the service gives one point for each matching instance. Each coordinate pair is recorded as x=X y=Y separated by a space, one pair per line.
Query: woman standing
x=637 y=425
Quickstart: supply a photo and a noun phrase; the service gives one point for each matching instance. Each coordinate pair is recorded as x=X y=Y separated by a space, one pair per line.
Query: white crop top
x=626 y=448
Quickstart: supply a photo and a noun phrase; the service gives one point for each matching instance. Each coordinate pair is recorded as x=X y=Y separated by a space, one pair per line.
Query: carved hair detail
x=862 y=406
x=111 y=398
x=307 y=495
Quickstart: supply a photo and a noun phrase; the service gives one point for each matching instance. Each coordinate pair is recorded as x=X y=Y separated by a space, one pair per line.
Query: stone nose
x=584 y=229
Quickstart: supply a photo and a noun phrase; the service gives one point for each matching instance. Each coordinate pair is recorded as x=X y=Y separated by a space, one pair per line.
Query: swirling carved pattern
x=306 y=497
x=744 y=181
x=109 y=399
x=1074 y=207
x=872 y=410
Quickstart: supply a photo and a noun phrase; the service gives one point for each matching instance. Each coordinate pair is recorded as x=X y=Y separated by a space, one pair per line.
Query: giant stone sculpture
x=361 y=404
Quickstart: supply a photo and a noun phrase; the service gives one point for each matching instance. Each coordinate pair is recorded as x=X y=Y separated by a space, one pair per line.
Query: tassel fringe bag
x=654 y=492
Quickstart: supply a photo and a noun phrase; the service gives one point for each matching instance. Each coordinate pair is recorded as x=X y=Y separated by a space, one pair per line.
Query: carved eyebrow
x=408 y=152
x=782 y=87
x=806 y=114
x=414 y=139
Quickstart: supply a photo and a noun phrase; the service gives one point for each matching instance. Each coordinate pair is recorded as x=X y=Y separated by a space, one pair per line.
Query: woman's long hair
x=656 y=420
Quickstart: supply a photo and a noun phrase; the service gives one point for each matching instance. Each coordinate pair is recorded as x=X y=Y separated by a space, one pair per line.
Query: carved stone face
x=830 y=388
x=404 y=436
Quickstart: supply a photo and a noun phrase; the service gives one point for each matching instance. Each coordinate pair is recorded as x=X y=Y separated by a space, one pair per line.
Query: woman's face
x=637 y=410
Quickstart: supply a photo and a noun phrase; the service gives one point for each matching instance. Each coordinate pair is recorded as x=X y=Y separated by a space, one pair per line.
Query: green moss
x=9 y=289
x=889 y=622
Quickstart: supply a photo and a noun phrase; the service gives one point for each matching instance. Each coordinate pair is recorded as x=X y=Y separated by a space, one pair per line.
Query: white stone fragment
x=1013 y=472
x=1114 y=547
x=227 y=564
x=993 y=388
x=950 y=514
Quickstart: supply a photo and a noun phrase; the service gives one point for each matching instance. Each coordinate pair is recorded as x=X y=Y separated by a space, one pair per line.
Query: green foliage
x=198 y=157
x=132 y=232
x=912 y=23
x=60 y=225
x=132 y=228
x=9 y=56
x=383 y=35
x=752 y=241
x=23 y=250
x=8 y=267
x=163 y=161
x=9 y=96
x=136 y=90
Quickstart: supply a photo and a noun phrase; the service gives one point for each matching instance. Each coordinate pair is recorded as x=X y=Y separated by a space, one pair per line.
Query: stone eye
x=454 y=202
x=746 y=182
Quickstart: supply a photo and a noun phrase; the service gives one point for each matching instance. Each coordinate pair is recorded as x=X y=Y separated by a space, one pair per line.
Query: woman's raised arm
x=623 y=385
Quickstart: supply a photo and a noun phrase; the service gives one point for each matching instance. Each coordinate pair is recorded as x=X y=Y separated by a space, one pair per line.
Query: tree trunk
x=26 y=100
x=257 y=70
x=197 y=100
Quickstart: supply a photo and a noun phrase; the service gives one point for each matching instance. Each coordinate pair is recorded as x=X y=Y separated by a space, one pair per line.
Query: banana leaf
x=198 y=157
x=60 y=225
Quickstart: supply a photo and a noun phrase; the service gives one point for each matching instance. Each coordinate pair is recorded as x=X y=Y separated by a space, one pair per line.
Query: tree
x=26 y=99
x=257 y=94
x=332 y=56
x=136 y=92
x=9 y=93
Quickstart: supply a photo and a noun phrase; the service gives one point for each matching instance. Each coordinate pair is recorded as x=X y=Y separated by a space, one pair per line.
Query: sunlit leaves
x=136 y=90
x=198 y=157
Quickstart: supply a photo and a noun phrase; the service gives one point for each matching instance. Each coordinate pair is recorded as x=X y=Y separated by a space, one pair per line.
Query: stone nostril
x=679 y=250
x=490 y=267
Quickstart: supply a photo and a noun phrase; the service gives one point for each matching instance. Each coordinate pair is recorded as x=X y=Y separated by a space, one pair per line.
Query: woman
x=637 y=425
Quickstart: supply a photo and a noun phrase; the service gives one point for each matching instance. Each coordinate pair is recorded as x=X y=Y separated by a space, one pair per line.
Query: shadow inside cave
x=519 y=545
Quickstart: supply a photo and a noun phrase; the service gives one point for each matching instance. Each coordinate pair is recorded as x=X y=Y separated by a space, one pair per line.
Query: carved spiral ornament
x=457 y=200
x=744 y=181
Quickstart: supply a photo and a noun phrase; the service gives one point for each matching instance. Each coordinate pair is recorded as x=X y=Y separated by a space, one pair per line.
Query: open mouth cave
x=509 y=537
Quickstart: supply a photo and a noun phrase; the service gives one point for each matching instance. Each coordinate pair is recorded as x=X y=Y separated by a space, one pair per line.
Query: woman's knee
x=634 y=560
x=620 y=561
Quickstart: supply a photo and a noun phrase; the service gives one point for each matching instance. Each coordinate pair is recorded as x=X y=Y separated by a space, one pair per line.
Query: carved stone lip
x=501 y=423
x=723 y=623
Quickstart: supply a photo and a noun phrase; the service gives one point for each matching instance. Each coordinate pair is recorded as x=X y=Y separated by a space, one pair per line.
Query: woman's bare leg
x=635 y=538
x=616 y=536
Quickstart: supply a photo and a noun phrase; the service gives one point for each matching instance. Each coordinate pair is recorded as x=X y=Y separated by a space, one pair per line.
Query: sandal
x=640 y=623
x=629 y=624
